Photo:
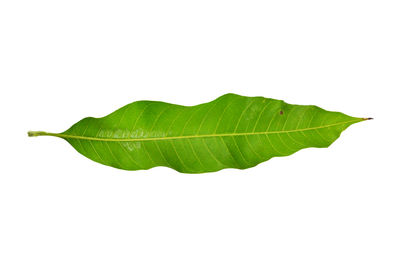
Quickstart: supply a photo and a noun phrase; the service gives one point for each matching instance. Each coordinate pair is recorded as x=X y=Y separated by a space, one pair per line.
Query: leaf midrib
x=67 y=136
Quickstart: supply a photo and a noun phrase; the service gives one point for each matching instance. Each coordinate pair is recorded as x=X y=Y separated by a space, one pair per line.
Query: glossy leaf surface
x=230 y=132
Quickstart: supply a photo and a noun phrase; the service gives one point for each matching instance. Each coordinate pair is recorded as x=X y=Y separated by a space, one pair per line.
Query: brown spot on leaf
x=281 y=112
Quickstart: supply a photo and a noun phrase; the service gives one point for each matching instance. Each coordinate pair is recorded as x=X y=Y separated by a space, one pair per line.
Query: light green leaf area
x=230 y=132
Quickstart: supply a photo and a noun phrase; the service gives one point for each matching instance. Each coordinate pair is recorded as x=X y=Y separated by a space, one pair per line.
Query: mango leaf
x=230 y=132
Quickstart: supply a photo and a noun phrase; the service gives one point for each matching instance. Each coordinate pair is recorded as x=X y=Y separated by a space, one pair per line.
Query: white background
x=65 y=60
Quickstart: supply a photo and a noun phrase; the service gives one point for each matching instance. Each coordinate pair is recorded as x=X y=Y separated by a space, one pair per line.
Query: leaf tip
x=367 y=119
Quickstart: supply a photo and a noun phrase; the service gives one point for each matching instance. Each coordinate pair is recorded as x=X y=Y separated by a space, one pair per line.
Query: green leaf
x=230 y=132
